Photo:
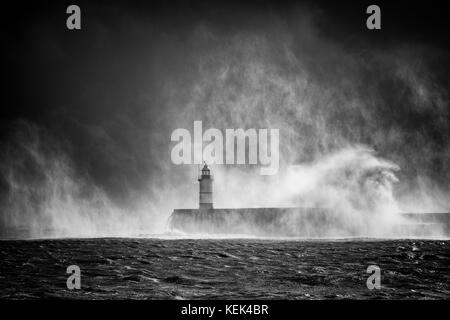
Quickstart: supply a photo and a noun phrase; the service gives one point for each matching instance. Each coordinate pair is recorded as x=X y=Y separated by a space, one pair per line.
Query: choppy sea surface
x=137 y=268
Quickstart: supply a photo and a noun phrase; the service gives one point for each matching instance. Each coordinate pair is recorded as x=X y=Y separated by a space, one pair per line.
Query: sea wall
x=297 y=222
x=310 y=222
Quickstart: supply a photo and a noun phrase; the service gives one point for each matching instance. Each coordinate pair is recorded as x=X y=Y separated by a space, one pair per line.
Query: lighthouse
x=205 y=194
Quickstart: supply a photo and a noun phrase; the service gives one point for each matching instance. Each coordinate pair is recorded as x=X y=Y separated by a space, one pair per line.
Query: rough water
x=133 y=268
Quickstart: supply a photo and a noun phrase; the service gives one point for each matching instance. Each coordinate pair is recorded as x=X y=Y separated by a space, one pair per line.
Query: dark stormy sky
x=92 y=110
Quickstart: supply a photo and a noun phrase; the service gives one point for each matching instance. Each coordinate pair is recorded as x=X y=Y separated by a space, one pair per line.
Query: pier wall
x=297 y=222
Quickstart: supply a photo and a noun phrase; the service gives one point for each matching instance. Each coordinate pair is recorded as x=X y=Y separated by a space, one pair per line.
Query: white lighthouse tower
x=206 y=195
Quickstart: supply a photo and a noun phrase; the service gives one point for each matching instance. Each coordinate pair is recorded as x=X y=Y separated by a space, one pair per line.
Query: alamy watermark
x=74 y=280
x=212 y=148
x=73 y=21
x=374 y=281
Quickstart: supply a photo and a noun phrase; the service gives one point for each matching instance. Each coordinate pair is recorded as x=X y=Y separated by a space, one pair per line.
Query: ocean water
x=138 y=268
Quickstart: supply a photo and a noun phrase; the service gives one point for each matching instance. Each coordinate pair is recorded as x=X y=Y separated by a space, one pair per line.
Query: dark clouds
x=112 y=93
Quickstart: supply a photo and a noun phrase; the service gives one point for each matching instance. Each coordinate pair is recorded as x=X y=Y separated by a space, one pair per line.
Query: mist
x=364 y=125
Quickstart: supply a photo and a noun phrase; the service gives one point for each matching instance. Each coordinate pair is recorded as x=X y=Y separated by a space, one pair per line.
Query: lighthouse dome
x=205 y=170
